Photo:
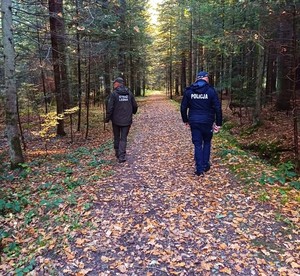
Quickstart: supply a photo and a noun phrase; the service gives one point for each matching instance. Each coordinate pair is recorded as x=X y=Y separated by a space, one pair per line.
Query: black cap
x=119 y=80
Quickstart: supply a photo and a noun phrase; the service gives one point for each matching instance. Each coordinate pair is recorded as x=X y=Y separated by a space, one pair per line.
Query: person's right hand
x=216 y=128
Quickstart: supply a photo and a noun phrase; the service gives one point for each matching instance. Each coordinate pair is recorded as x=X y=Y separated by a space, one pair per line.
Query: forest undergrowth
x=73 y=210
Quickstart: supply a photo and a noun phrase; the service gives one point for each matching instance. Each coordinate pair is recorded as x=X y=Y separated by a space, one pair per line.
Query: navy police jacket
x=200 y=104
x=120 y=107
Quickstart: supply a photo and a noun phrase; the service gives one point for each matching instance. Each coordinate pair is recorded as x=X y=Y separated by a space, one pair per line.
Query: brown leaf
x=122 y=268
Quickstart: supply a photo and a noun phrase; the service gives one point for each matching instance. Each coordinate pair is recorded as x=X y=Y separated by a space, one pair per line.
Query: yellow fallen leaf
x=104 y=259
x=226 y=270
x=261 y=261
x=202 y=230
x=70 y=255
x=122 y=268
x=290 y=259
x=206 y=266
x=295 y=265
x=223 y=246
x=83 y=272
x=238 y=268
x=80 y=241
x=265 y=252
x=182 y=264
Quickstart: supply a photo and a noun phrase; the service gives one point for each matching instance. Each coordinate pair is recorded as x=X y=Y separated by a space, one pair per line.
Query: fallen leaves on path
x=161 y=220
x=152 y=216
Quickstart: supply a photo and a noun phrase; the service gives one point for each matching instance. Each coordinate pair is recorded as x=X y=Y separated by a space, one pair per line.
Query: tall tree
x=57 y=29
x=12 y=131
x=285 y=61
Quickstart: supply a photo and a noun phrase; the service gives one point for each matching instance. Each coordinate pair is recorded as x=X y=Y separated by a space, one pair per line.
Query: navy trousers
x=120 y=140
x=201 y=137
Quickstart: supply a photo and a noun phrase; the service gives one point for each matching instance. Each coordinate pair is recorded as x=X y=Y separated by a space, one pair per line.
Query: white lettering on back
x=199 y=96
x=123 y=98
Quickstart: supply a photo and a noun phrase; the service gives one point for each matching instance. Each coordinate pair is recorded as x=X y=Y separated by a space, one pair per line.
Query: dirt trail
x=154 y=217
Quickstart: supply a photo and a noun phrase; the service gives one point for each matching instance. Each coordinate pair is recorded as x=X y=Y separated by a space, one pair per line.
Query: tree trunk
x=122 y=16
x=12 y=131
x=271 y=73
x=259 y=86
x=79 y=80
x=59 y=66
x=284 y=64
x=183 y=73
x=295 y=80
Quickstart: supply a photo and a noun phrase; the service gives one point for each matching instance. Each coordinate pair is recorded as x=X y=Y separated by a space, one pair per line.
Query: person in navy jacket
x=201 y=110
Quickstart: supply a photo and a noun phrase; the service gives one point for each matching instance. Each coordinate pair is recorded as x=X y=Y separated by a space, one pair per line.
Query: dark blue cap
x=202 y=74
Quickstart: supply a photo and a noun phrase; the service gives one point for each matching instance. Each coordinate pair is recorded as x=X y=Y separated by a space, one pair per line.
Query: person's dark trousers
x=201 y=137
x=120 y=141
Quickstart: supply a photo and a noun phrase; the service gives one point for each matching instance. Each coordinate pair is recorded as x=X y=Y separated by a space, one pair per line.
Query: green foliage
x=227 y=126
x=26 y=269
x=64 y=169
x=9 y=206
x=29 y=216
x=24 y=170
x=284 y=174
x=252 y=169
x=51 y=203
x=96 y=163
x=13 y=248
x=80 y=152
x=72 y=183
x=264 y=196
x=266 y=150
x=295 y=184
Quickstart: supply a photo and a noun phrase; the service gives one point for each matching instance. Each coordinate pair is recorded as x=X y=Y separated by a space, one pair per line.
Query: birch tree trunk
x=12 y=131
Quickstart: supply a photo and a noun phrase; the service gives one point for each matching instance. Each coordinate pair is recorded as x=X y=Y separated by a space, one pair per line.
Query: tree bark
x=285 y=64
x=12 y=131
x=59 y=60
x=259 y=86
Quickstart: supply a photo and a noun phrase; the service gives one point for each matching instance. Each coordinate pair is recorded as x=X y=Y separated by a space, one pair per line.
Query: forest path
x=154 y=217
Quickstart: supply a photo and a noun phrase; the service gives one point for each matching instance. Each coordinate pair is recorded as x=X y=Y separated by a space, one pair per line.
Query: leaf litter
x=152 y=216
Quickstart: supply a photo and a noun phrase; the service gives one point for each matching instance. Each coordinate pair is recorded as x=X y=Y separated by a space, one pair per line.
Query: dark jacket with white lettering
x=200 y=104
x=120 y=107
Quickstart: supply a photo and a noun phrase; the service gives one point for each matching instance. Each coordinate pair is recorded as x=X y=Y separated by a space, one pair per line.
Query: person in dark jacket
x=201 y=110
x=120 y=107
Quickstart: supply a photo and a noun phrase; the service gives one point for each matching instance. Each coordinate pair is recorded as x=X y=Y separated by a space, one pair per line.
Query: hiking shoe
x=201 y=174
x=207 y=169
x=122 y=160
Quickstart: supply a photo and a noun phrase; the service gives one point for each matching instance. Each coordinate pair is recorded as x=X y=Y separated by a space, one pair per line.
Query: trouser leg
x=207 y=137
x=116 y=132
x=206 y=152
x=123 y=142
x=198 y=147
